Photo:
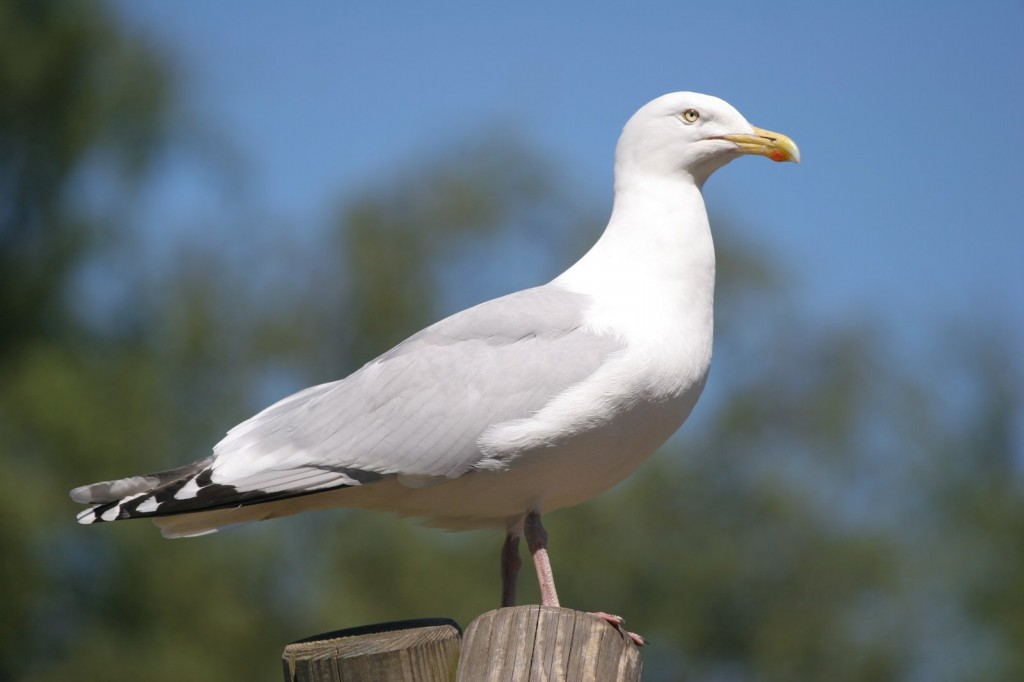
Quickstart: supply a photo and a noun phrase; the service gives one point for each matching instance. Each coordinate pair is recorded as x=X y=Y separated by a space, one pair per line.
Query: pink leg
x=537 y=541
x=510 y=565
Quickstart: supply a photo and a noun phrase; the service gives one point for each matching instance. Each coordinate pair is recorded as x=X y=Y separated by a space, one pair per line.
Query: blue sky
x=907 y=204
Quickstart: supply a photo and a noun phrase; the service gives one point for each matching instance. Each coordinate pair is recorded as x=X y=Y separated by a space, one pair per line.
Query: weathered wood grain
x=421 y=650
x=546 y=644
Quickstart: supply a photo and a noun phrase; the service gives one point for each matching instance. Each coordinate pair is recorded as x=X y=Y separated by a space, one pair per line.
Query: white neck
x=664 y=276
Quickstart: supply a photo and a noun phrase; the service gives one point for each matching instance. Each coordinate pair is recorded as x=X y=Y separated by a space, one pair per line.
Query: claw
x=617 y=623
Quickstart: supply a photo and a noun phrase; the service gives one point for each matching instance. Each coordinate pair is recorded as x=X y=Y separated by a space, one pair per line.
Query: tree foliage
x=76 y=95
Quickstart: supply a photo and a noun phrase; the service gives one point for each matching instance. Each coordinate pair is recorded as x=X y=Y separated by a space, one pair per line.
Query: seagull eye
x=691 y=115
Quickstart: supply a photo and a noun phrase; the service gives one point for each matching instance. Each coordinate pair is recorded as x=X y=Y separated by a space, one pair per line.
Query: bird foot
x=617 y=623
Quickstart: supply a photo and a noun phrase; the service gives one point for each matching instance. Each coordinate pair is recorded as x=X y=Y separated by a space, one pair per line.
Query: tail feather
x=189 y=492
x=134 y=496
x=105 y=492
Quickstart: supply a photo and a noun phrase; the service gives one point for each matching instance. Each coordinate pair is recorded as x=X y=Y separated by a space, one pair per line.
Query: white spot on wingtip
x=188 y=491
x=147 y=506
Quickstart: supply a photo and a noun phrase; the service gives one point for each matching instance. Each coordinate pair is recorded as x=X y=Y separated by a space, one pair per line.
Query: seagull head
x=693 y=134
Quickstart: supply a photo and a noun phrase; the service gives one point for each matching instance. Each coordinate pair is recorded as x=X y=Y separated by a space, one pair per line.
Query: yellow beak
x=775 y=146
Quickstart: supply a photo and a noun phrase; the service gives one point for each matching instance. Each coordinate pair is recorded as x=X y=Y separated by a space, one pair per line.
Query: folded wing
x=415 y=413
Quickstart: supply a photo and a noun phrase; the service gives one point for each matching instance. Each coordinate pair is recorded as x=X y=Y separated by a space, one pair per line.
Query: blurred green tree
x=75 y=95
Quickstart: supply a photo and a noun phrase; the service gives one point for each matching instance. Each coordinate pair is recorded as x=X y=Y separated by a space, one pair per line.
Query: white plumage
x=537 y=400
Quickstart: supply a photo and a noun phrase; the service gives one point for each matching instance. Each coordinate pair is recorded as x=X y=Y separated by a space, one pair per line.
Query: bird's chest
x=596 y=459
x=635 y=407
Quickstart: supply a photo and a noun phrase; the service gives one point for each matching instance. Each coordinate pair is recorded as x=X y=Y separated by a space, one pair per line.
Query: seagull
x=515 y=407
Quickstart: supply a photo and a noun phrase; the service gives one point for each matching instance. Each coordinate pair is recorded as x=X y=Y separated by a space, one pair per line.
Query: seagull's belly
x=596 y=460
x=558 y=475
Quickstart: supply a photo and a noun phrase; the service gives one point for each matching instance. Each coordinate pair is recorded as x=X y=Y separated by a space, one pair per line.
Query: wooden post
x=426 y=649
x=546 y=643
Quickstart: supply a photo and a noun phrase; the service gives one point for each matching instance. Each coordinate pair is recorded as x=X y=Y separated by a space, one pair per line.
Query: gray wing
x=418 y=410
